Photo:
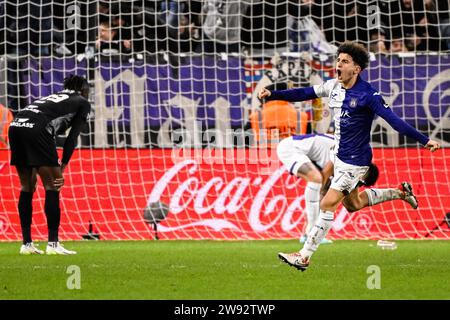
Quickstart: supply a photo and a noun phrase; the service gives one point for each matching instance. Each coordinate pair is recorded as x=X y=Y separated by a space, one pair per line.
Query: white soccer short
x=290 y=157
x=346 y=176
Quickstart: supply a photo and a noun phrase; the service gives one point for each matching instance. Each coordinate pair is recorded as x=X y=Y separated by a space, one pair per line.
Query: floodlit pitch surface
x=206 y=270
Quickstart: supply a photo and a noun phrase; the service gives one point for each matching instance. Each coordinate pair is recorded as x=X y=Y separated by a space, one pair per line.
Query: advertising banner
x=220 y=194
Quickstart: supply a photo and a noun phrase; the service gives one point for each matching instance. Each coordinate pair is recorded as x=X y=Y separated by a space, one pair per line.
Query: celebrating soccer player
x=354 y=103
x=32 y=137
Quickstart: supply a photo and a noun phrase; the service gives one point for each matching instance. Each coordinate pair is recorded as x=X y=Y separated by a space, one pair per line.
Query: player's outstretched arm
x=291 y=95
x=432 y=145
x=383 y=110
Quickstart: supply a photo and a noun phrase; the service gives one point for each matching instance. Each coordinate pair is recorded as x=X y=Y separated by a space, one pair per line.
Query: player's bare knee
x=50 y=187
x=327 y=205
x=316 y=177
x=29 y=186
x=350 y=205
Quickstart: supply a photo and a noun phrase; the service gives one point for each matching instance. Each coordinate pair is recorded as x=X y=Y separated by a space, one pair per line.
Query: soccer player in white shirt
x=308 y=157
x=354 y=103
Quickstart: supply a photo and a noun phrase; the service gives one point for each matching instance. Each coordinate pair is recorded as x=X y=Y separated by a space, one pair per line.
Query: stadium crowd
x=181 y=26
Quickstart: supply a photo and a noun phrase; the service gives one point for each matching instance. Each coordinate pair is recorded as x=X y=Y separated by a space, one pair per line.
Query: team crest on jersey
x=353 y=102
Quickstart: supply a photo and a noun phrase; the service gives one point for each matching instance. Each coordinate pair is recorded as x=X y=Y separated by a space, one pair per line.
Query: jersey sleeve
x=78 y=123
x=381 y=108
x=302 y=94
x=293 y=95
x=324 y=89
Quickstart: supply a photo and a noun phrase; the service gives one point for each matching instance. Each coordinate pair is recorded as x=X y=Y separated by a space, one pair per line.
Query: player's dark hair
x=357 y=51
x=74 y=82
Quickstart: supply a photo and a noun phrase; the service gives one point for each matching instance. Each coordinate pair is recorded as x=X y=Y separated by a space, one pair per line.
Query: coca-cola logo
x=224 y=199
x=362 y=223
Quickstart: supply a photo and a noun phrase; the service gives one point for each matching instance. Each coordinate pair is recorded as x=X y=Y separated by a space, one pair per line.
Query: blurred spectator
x=305 y=26
x=414 y=42
x=121 y=15
x=171 y=11
x=29 y=19
x=153 y=30
x=265 y=25
x=428 y=27
x=103 y=7
x=398 y=45
x=149 y=31
x=414 y=20
x=74 y=25
x=109 y=40
x=377 y=41
x=180 y=29
x=345 y=20
x=399 y=16
x=222 y=25
x=440 y=9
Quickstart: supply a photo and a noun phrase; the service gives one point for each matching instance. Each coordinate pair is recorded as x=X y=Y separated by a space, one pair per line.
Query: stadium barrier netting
x=177 y=137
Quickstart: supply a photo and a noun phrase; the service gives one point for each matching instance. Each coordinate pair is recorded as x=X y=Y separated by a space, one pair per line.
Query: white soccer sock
x=382 y=195
x=312 y=201
x=317 y=233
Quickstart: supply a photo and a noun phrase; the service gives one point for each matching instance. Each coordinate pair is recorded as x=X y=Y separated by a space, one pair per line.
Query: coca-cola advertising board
x=220 y=194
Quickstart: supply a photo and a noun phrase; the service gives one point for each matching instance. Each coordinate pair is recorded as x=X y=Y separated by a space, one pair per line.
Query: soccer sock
x=25 y=207
x=382 y=195
x=318 y=232
x=312 y=200
x=53 y=214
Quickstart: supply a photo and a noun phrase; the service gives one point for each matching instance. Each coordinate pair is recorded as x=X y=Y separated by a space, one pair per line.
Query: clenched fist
x=263 y=93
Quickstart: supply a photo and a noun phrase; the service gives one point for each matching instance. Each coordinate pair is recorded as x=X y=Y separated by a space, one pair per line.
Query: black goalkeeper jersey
x=55 y=114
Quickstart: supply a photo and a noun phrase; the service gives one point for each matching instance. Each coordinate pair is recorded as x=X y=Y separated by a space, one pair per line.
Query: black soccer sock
x=25 y=207
x=53 y=213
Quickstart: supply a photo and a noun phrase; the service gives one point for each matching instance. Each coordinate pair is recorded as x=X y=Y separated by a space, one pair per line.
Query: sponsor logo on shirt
x=32 y=108
x=345 y=114
x=22 y=123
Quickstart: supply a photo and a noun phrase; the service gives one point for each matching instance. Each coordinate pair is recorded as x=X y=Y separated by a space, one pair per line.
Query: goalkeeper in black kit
x=32 y=138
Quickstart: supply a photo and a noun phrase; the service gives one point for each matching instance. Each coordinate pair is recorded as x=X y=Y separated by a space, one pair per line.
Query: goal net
x=177 y=143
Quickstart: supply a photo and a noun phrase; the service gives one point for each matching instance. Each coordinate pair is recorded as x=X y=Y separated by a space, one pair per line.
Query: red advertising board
x=221 y=194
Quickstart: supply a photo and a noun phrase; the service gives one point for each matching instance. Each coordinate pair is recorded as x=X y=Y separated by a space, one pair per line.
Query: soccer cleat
x=29 y=248
x=295 y=260
x=57 y=248
x=324 y=240
x=408 y=194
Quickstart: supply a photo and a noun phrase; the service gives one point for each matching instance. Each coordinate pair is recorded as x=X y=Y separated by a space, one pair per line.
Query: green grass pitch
x=206 y=270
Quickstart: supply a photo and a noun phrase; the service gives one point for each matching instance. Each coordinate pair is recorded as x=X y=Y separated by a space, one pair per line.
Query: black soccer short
x=32 y=147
